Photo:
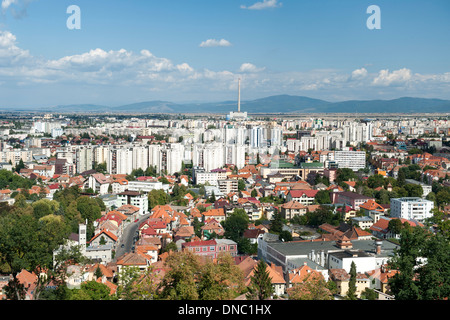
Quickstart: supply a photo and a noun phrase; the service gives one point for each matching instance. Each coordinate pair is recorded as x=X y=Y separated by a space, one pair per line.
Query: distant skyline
x=195 y=51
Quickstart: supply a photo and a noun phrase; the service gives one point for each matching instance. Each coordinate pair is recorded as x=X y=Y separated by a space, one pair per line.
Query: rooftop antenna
x=239 y=95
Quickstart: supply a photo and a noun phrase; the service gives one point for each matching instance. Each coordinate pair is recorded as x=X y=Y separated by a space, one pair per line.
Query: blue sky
x=195 y=50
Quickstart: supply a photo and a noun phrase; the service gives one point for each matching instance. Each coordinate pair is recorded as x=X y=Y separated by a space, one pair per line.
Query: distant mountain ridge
x=271 y=104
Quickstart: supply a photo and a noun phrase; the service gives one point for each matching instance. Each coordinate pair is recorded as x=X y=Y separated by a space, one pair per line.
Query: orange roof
x=214 y=212
x=372 y=205
x=112 y=287
x=303 y=273
x=107 y=232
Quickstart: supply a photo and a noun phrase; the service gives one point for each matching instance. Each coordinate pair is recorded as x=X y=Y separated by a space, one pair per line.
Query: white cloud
x=142 y=72
x=396 y=77
x=249 y=67
x=215 y=43
x=7 y=3
x=266 y=4
x=359 y=73
x=10 y=53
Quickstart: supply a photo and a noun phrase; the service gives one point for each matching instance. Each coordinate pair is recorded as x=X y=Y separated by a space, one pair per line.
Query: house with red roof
x=293 y=208
x=302 y=274
x=381 y=230
x=305 y=197
x=379 y=278
x=371 y=205
x=217 y=214
x=211 y=248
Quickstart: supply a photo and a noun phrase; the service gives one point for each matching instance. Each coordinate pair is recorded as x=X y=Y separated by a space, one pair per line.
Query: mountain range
x=271 y=104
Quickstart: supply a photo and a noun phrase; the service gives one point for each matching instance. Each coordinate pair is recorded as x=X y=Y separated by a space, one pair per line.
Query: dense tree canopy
x=423 y=262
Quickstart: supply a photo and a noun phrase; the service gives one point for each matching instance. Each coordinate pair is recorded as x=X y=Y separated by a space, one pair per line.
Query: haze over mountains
x=272 y=104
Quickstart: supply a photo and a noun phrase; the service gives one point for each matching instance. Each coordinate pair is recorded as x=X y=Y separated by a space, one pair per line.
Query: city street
x=128 y=238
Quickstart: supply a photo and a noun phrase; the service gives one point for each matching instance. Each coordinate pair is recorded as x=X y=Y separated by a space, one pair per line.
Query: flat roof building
x=411 y=208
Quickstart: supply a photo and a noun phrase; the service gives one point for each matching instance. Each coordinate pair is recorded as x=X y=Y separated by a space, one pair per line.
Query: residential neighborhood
x=143 y=194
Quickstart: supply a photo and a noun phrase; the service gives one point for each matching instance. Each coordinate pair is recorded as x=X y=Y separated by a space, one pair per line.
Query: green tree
x=345 y=174
x=179 y=283
x=28 y=243
x=276 y=225
x=241 y=185
x=423 y=265
x=157 y=197
x=221 y=280
x=91 y=290
x=89 y=208
x=19 y=166
x=369 y=294
x=285 y=236
x=443 y=197
x=236 y=224
x=260 y=287
x=311 y=288
x=395 y=226
x=351 y=292
x=136 y=285
x=375 y=181
x=323 y=197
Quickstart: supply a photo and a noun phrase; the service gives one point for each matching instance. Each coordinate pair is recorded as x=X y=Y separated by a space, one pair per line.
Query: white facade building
x=354 y=160
x=411 y=208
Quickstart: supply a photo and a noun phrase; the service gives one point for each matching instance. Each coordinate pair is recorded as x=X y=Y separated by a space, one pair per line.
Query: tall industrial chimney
x=239 y=95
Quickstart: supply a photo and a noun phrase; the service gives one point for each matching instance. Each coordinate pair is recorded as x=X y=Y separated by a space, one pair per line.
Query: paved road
x=128 y=237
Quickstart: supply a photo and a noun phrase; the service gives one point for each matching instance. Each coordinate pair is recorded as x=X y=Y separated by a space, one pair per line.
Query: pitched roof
x=105 y=232
x=300 y=193
x=303 y=273
x=214 y=212
x=372 y=205
x=132 y=259
x=293 y=205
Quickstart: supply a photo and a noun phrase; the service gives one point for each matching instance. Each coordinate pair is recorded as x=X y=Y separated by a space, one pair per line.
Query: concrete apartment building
x=354 y=160
x=411 y=208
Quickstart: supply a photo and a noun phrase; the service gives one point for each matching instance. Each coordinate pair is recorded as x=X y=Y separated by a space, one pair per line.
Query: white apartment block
x=84 y=158
x=206 y=177
x=120 y=161
x=134 y=198
x=15 y=155
x=140 y=157
x=208 y=156
x=171 y=158
x=144 y=186
x=235 y=154
x=354 y=160
x=411 y=208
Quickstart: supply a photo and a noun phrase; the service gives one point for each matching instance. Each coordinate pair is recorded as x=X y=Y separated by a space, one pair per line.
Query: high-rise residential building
x=101 y=154
x=208 y=156
x=235 y=154
x=140 y=157
x=120 y=160
x=258 y=138
x=276 y=136
x=84 y=158
x=171 y=158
